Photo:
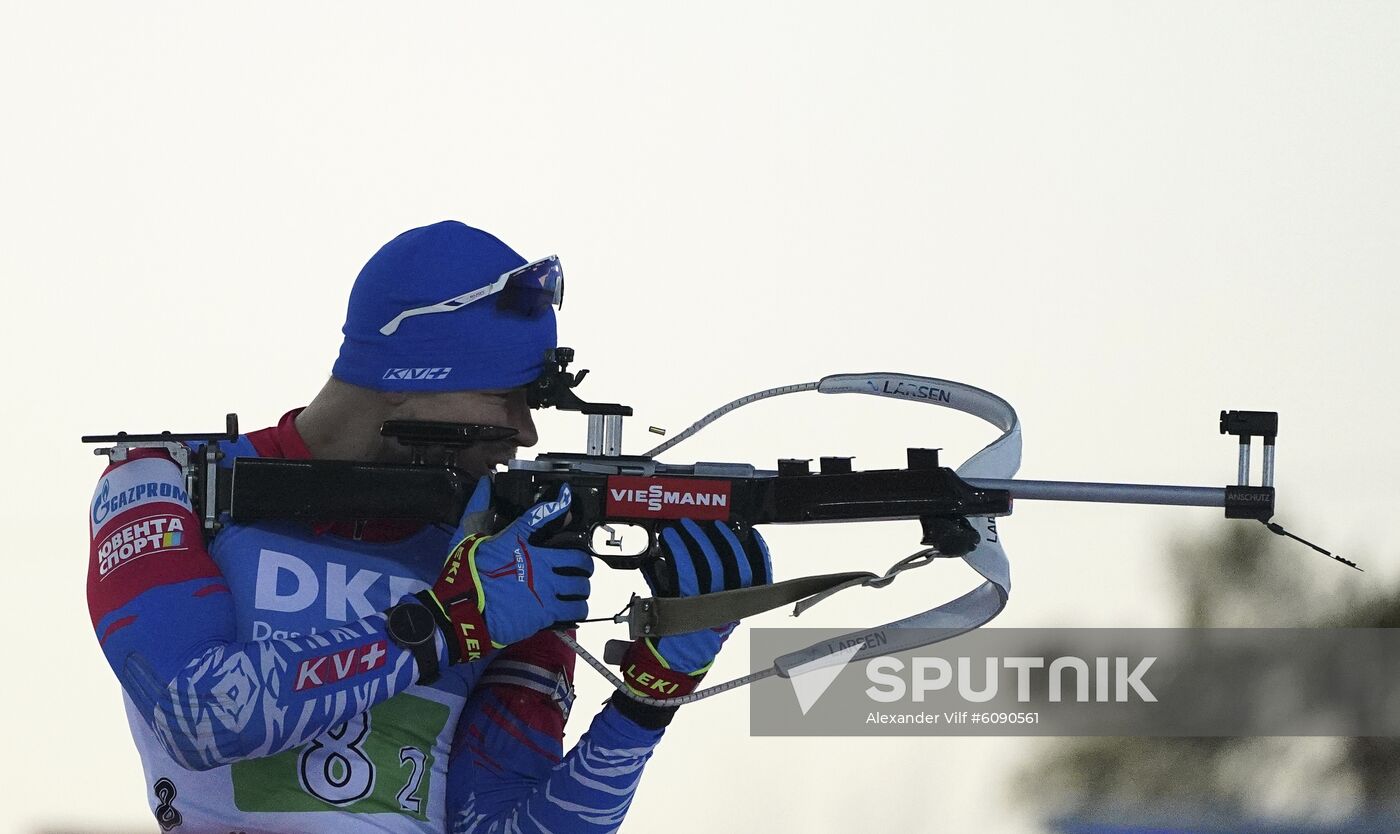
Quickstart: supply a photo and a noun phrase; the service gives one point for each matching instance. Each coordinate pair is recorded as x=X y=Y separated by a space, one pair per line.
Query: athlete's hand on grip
x=695 y=559
x=500 y=589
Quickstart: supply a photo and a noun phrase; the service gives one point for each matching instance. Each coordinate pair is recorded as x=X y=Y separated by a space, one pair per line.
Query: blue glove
x=500 y=589
x=695 y=559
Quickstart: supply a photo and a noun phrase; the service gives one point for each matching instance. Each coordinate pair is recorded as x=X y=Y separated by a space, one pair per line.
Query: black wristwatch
x=411 y=625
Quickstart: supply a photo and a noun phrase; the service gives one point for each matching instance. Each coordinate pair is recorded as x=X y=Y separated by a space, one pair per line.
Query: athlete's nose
x=524 y=424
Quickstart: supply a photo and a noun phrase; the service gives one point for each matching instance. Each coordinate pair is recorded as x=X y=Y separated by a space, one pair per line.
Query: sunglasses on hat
x=527 y=291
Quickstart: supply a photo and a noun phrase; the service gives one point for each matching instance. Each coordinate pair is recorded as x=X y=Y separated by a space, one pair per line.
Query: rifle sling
x=663 y=616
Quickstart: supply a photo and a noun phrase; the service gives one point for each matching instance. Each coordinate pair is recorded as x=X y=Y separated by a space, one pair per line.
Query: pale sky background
x=1122 y=217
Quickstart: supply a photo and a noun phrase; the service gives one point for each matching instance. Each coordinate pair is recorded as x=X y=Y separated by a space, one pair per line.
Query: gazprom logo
x=99 y=504
x=417 y=373
x=108 y=502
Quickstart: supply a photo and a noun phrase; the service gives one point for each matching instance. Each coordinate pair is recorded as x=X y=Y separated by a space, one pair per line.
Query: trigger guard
x=612 y=558
x=624 y=562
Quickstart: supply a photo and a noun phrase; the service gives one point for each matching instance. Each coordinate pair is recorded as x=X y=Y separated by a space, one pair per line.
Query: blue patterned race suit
x=265 y=695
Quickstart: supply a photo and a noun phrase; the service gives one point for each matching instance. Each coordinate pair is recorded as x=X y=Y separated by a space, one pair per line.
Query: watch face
x=411 y=624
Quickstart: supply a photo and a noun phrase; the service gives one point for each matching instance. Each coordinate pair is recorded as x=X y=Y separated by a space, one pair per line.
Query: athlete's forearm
x=589 y=790
x=235 y=700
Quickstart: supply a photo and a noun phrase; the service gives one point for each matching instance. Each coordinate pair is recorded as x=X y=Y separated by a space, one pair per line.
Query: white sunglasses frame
x=460 y=301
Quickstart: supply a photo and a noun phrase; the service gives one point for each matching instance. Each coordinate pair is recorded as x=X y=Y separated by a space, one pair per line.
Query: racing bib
x=380 y=761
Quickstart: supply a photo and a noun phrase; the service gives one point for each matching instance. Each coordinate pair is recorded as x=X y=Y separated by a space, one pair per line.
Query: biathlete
x=383 y=676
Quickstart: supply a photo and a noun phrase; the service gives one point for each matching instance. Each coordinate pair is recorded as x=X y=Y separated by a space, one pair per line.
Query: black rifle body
x=609 y=490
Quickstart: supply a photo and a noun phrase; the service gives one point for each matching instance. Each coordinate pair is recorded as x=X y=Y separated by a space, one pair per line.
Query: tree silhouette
x=1242 y=576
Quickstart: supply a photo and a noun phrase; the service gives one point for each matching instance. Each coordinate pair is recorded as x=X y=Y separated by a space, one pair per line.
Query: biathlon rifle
x=956 y=509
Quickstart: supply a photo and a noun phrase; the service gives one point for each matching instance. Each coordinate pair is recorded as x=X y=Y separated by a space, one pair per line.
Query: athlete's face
x=489 y=408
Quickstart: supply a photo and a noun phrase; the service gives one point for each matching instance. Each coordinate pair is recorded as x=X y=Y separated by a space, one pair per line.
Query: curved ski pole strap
x=870 y=580
x=1002 y=452
x=621 y=686
x=664 y=616
x=999 y=459
x=969 y=611
x=945 y=393
x=728 y=407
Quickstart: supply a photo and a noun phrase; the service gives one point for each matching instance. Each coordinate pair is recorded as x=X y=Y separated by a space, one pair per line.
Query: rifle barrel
x=1179 y=496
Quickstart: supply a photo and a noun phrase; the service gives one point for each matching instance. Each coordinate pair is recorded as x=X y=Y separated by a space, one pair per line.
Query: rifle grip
x=567 y=539
x=659 y=572
x=614 y=651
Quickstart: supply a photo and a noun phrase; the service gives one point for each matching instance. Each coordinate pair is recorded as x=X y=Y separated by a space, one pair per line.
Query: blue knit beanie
x=475 y=347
